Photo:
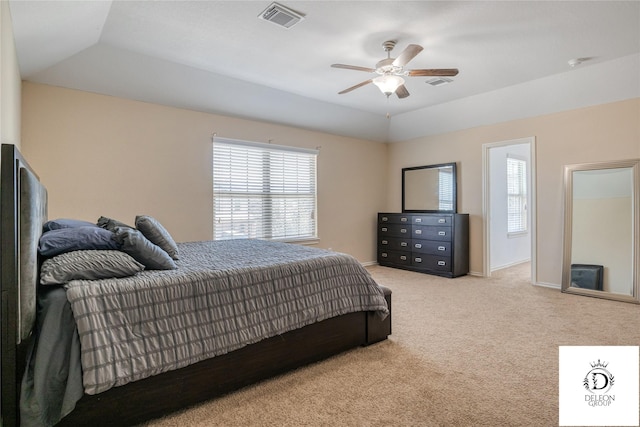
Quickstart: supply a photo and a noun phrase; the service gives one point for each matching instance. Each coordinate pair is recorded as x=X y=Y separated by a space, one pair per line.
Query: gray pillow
x=62 y=240
x=110 y=224
x=89 y=264
x=157 y=234
x=142 y=250
x=56 y=224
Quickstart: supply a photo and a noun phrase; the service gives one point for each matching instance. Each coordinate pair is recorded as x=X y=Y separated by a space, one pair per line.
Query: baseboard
x=479 y=274
x=371 y=263
x=548 y=285
x=512 y=264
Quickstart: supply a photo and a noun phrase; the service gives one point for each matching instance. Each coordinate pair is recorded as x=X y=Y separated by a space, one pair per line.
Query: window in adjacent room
x=445 y=189
x=516 y=195
x=263 y=191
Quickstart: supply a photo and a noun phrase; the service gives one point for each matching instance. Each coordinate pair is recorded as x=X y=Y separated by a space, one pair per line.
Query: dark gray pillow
x=56 y=242
x=56 y=224
x=142 y=250
x=110 y=224
x=91 y=265
x=157 y=234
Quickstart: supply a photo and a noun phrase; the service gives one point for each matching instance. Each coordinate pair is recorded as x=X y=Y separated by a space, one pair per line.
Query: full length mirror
x=429 y=188
x=601 y=257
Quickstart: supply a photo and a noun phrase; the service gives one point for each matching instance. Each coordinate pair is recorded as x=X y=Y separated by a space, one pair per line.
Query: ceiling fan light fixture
x=391 y=71
x=388 y=83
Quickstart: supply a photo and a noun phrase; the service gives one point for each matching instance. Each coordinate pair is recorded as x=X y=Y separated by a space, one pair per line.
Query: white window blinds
x=445 y=189
x=516 y=195
x=263 y=191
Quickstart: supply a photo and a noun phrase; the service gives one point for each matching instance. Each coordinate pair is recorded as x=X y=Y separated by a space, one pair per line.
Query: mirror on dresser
x=601 y=230
x=431 y=188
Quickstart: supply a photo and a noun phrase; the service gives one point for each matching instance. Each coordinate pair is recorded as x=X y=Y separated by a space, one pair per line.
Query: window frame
x=266 y=197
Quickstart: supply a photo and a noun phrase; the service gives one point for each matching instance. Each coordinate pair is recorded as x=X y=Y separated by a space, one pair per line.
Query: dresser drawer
x=394 y=244
x=393 y=218
x=432 y=220
x=431 y=232
x=394 y=257
x=431 y=262
x=431 y=247
x=394 y=230
x=431 y=243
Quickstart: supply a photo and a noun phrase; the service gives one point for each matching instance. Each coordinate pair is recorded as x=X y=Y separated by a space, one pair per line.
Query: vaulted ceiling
x=219 y=57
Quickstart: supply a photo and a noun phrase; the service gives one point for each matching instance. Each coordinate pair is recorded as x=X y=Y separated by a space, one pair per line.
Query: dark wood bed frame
x=168 y=392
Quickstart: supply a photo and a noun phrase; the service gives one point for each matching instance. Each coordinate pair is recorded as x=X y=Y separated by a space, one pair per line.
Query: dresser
x=435 y=243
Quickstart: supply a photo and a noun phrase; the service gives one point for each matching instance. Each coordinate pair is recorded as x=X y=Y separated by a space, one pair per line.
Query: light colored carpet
x=464 y=352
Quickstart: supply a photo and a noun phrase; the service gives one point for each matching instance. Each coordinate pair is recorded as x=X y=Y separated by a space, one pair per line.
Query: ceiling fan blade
x=442 y=72
x=402 y=92
x=366 y=82
x=353 y=67
x=407 y=55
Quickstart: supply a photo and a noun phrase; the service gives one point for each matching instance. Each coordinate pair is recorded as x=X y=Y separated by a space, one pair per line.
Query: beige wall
x=599 y=133
x=101 y=155
x=9 y=81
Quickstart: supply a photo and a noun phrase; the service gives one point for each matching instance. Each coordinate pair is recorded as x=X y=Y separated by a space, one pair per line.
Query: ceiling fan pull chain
x=388 y=115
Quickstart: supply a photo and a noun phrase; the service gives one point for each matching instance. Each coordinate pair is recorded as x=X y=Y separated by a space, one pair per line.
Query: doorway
x=509 y=200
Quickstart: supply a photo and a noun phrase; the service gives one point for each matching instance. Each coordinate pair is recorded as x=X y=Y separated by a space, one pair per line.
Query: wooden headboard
x=23 y=211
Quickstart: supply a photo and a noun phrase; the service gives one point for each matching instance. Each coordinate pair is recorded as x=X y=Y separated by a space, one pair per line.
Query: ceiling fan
x=391 y=71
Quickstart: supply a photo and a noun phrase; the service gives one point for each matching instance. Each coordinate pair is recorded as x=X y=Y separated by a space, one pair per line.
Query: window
x=445 y=189
x=263 y=191
x=516 y=195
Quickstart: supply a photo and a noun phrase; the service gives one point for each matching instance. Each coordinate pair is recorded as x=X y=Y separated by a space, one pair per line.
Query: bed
x=168 y=384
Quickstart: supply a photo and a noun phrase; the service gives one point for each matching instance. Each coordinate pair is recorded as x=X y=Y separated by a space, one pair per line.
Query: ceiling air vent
x=281 y=15
x=439 y=81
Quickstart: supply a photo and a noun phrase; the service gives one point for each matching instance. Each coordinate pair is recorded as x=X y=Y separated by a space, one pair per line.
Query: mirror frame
x=568 y=217
x=454 y=188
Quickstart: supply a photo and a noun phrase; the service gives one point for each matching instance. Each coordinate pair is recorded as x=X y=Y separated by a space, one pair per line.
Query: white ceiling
x=217 y=56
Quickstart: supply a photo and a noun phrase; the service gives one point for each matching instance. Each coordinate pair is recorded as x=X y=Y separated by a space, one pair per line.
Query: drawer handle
x=403 y=257
x=442 y=233
x=442 y=248
x=385 y=242
x=403 y=230
x=418 y=246
x=442 y=220
x=418 y=231
x=403 y=219
x=384 y=255
x=418 y=259
x=384 y=229
x=384 y=218
x=418 y=219
x=442 y=263
x=403 y=244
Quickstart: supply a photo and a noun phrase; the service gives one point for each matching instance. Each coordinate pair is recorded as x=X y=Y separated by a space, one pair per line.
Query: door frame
x=486 y=205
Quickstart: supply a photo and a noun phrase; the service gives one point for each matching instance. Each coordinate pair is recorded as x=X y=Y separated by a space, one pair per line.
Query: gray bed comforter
x=223 y=296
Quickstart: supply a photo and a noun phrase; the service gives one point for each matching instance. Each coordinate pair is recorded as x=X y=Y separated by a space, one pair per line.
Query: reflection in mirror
x=601 y=236
x=429 y=188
